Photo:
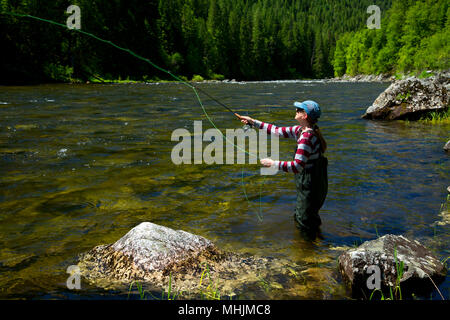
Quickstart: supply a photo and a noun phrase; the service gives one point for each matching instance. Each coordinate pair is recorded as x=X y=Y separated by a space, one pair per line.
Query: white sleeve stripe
x=304 y=147
x=301 y=157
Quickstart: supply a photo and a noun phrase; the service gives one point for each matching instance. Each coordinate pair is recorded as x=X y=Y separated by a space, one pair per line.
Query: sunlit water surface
x=83 y=164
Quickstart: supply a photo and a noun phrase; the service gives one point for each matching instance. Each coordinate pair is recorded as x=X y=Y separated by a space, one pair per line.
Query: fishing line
x=194 y=88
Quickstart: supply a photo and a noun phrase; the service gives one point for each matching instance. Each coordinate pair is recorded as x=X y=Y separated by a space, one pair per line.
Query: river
x=83 y=164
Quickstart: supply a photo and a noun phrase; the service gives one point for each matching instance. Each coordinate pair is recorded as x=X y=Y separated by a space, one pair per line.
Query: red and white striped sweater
x=308 y=146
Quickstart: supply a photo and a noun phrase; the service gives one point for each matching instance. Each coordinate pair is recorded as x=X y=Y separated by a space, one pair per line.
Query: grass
x=424 y=74
x=444 y=262
x=376 y=231
x=263 y=284
x=446 y=205
x=399 y=267
x=396 y=291
x=403 y=97
x=145 y=294
x=210 y=292
x=437 y=117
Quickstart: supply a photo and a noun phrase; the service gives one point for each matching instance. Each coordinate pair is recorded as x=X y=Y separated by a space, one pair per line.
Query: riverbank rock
x=364 y=78
x=419 y=265
x=162 y=259
x=410 y=99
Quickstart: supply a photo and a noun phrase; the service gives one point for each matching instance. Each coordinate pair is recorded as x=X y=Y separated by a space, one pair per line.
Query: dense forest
x=217 y=39
x=414 y=37
x=240 y=39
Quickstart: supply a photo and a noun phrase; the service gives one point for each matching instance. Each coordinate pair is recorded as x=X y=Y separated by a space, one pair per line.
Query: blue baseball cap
x=311 y=108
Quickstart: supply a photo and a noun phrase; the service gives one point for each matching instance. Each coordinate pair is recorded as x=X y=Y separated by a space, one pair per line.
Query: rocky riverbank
x=364 y=78
x=385 y=77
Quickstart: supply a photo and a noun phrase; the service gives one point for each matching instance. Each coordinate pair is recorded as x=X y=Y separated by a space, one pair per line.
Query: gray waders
x=312 y=188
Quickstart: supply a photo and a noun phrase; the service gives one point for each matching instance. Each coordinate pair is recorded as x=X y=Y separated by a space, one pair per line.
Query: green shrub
x=58 y=72
x=197 y=78
x=216 y=76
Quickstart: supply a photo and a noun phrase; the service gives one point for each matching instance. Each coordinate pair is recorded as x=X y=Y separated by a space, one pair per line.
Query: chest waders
x=312 y=188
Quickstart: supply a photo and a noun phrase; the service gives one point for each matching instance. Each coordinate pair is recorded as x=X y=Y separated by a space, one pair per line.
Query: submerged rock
x=419 y=265
x=410 y=99
x=160 y=257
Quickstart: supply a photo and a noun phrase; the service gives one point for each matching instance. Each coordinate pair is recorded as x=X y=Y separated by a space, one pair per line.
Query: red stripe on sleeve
x=294 y=169
x=306 y=141
x=303 y=152
x=300 y=162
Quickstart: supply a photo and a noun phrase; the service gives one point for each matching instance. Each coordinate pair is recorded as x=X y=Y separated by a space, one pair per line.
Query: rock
x=448 y=189
x=447 y=146
x=149 y=248
x=157 y=256
x=362 y=78
x=419 y=265
x=410 y=99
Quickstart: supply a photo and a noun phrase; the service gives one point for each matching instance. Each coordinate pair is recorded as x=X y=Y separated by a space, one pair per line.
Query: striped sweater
x=308 y=146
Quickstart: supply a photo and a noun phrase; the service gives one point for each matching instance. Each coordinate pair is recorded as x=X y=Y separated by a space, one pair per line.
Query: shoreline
x=368 y=78
x=125 y=82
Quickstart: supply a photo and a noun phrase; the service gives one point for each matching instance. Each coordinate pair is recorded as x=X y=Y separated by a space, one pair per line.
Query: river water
x=83 y=164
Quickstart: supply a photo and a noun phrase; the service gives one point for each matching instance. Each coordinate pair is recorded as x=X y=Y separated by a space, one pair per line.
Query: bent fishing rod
x=220 y=103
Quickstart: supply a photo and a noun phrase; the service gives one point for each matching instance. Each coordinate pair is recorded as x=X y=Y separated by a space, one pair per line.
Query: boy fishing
x=309 y=164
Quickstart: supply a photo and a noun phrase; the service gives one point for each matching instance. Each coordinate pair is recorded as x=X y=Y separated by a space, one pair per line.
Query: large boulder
x=146 y=250
x=410 y=99
x=159 y=258
x=420 y=267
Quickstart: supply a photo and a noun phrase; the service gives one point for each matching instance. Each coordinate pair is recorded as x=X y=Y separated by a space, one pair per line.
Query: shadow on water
x=81 y=165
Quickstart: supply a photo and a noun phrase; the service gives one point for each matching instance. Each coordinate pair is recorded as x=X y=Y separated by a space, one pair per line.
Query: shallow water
x=83 y=164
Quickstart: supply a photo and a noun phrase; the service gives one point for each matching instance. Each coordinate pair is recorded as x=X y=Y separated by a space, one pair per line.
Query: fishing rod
x=246 y=127
x=214 y=99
